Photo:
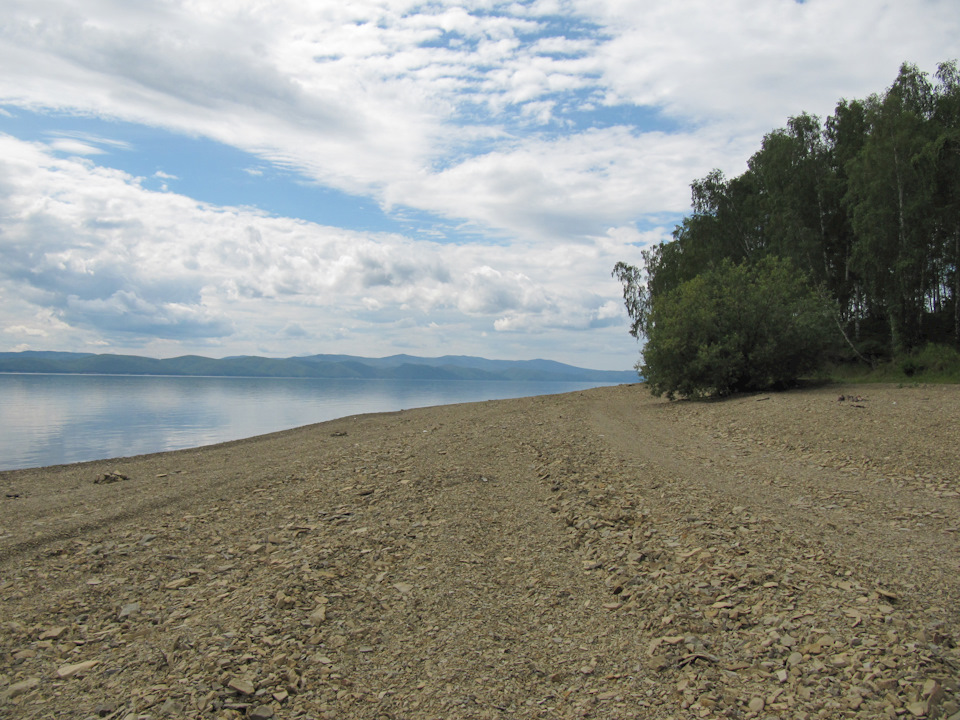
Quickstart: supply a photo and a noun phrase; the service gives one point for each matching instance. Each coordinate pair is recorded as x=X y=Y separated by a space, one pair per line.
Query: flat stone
x=129 y=609
x=19 y=688
x=242 y=686
x=171 y=707
x=67 y=671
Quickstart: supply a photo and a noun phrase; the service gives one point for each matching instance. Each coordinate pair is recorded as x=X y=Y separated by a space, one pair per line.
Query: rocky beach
x=601 y=554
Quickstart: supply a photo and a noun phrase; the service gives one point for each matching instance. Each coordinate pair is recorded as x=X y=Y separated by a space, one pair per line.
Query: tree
x=734 y=328
x=868 y=202
x=890 y=196
x=944 y=155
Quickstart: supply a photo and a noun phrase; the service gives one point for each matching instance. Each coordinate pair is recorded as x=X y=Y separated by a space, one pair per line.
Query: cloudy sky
x=285 y=177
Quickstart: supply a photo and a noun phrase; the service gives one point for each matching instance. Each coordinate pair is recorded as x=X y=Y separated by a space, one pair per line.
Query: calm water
x=55 y=419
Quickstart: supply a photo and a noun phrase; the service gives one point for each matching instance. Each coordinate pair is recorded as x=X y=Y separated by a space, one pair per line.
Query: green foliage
x=866 y=202
x=933 y=363
x=735 y=328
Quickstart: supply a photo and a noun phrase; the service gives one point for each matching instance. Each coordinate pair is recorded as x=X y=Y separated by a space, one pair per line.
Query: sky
x=372 y=177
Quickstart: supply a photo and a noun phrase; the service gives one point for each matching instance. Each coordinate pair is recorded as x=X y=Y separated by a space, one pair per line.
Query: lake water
x=56 y=419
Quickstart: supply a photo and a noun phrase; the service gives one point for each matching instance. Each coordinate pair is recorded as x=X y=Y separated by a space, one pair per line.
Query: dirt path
x=600 y=554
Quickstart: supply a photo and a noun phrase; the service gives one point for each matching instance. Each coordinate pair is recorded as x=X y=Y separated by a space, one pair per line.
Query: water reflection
x=54 y=419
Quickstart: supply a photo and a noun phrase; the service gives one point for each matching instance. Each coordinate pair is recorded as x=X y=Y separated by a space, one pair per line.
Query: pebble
x=242 y=686
x=687 y=609
x=128 y=610
x=19 y=688
x=68 y=671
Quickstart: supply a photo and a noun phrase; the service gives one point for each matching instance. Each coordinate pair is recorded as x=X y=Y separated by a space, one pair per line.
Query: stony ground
x=602 y=554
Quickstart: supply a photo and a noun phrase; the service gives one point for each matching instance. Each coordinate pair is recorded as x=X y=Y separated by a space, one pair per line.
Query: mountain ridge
x=321 y=366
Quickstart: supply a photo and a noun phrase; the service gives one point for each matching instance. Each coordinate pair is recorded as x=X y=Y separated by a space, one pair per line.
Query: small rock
x=756 y=704
x=66 y=671
x=264 y=712
x=242 y=686
x=318 y=616
x=110 y=477
x=840 y=660
x=659 y=662
x=171 y=707
x=19 y=688
x=403 y=588
x=129 y=609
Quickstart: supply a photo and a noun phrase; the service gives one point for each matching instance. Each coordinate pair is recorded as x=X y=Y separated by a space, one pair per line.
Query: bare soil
x=600 y=554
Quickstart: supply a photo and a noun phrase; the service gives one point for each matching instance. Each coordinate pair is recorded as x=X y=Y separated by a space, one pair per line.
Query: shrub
x=735 y=328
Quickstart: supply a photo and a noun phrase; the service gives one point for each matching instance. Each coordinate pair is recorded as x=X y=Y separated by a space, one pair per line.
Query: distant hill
x=449 y=367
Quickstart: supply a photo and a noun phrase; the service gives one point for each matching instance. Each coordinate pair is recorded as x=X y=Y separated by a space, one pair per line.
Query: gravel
x=599 y=554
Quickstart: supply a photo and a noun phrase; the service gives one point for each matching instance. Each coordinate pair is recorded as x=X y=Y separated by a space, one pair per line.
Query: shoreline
x=594 y=554
x=158 y=427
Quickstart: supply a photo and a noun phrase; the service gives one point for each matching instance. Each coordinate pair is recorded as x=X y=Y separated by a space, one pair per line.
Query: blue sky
x=387 y=176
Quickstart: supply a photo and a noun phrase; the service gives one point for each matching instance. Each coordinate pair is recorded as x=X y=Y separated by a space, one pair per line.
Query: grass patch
x=932 y=363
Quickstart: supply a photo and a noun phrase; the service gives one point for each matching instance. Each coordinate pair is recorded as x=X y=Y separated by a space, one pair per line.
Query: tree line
x=866 y=204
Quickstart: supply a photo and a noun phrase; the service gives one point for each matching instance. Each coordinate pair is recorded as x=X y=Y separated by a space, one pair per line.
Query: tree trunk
x=956 y=288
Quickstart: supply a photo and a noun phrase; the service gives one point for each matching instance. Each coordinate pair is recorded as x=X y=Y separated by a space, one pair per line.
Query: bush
x=735 y=328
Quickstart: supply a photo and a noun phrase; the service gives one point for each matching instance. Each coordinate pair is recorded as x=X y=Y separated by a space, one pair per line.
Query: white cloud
x=549 y=127
x=114 y=260
x=24 y=330
x=386 y=98
x=749 y=63
x=570 y=187
x=75 y=147
x=80 y=143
